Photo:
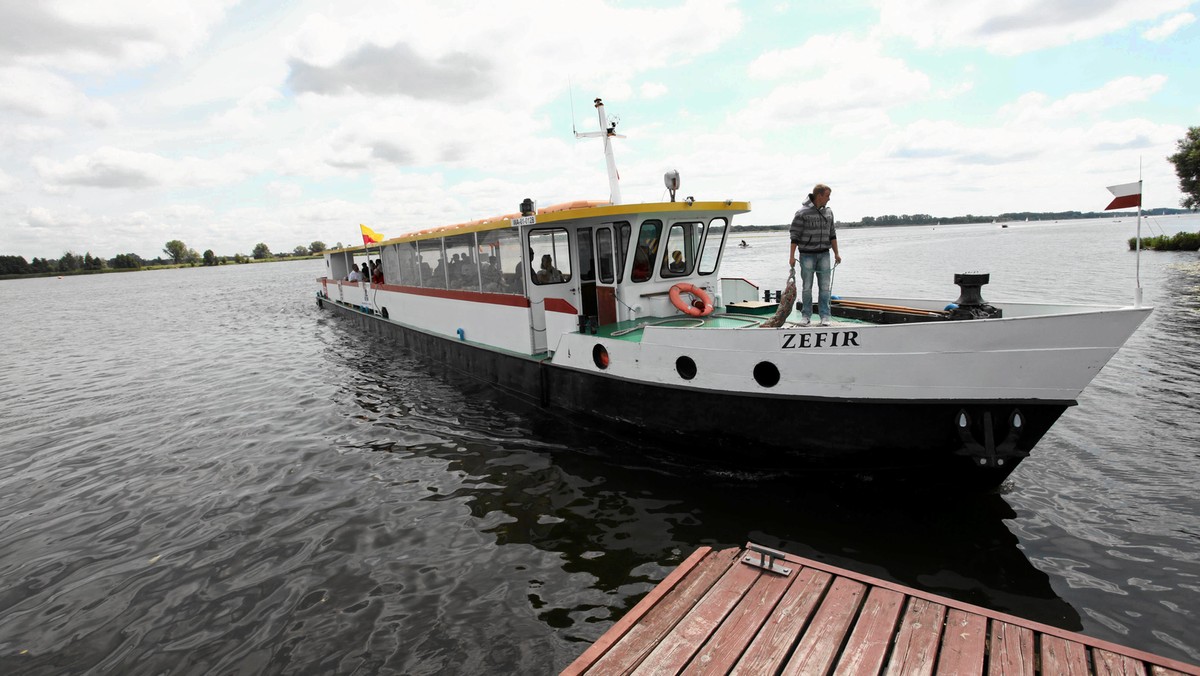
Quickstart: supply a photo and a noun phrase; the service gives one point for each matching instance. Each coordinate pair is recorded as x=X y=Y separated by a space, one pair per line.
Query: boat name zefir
x=808 y=339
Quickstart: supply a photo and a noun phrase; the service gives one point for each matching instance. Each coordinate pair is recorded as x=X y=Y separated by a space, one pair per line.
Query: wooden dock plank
x=820 y=643
x=1108 y=663
x=676 y=649
x=770 y=648
x=641 y=638
x=735 y=634
x=1060 y=656
x=631 y=618
x=1011 y=650
x=700 y=617
x=963 y=644
x=916 y=645
x=872 y=636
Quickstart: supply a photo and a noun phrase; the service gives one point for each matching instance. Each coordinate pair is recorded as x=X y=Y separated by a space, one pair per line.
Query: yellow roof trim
x=557 y=213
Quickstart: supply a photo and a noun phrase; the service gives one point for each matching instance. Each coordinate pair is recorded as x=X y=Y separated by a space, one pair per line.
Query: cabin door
x=607 y=276
x=585 y=245
x=553 y=298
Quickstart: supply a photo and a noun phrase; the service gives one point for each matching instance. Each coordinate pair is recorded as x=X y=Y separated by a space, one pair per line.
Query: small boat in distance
x=618 y=313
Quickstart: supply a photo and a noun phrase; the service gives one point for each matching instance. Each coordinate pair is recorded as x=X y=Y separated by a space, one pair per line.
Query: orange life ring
x=699 y=294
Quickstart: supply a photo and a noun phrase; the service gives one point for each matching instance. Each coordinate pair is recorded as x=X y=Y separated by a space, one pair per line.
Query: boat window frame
x=555 y=257
x=650 y=247
x=686 y=248
x=720 y=246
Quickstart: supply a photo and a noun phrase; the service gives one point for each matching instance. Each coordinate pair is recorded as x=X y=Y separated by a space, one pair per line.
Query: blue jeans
x=818 y=263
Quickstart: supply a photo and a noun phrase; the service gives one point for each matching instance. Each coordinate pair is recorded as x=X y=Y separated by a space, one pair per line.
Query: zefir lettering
x=802 y=341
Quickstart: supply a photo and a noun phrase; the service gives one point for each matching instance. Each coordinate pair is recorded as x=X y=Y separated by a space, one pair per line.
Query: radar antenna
x=608 y=131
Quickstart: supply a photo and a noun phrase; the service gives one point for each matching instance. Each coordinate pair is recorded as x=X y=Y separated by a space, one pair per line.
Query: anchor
x=987 y=452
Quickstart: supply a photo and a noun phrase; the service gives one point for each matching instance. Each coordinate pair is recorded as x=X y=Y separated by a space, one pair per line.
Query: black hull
x=971 y=446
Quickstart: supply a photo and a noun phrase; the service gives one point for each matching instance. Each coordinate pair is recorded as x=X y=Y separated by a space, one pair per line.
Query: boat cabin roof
x=560 y=213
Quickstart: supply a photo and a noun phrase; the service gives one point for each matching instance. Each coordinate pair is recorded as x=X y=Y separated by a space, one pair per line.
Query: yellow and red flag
x=370 y=236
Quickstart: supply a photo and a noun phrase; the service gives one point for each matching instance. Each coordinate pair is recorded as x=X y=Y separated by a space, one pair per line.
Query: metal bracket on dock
x=766 y=559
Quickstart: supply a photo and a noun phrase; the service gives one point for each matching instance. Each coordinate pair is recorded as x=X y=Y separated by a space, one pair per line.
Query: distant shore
x=891 y=221
x=145 y=268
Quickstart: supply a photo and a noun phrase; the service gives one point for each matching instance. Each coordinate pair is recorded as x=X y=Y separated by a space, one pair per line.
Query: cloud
x=653 y=90
x=82 y=35
x=115 y=168
x=1015 y=27
x=1119 y=92
x=8 y=184
x=1167 y=28
x=397 y=71
x=828 y=76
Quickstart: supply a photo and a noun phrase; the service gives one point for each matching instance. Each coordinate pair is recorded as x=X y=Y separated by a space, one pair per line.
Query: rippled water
x=202 y=472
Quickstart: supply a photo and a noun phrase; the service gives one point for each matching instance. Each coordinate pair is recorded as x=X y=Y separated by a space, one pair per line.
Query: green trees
x=1187 y=167
x=13 y=265
x=210 y=258
x=300 y=251
x=176 y=249
x=316 y=247
x=261 y=251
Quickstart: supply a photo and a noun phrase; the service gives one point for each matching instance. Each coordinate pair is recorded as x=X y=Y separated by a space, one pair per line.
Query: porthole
x=384 y=313
x=766 y=374
x=600 y=357
x=685 y=367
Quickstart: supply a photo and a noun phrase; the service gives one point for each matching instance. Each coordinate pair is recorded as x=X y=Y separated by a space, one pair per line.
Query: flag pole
x=1137 y=294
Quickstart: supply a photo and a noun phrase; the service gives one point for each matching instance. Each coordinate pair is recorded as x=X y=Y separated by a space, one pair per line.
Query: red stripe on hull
x=1125 y=202
x=452 y=294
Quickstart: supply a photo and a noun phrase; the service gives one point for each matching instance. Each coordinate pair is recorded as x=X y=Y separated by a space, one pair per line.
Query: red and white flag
x=1125 y=195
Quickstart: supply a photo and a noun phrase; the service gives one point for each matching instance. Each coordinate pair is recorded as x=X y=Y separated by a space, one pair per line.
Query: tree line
x=176 y=251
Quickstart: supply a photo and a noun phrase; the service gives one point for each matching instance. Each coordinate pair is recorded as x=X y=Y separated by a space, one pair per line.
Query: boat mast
x=608 y=131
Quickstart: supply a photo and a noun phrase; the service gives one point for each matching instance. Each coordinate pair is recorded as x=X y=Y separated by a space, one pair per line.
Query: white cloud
x=1167 y=28
x=116 y=168
x=8 y=183
x=828 y=76
x=653 y=90
x=1018 y=26
x=81 y=35
x=1119 y=92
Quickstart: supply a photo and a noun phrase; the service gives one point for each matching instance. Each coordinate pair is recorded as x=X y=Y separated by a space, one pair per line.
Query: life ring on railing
x=700 y=307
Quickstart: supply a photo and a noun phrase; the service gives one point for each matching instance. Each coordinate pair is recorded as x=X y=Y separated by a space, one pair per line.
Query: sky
x=126 y=124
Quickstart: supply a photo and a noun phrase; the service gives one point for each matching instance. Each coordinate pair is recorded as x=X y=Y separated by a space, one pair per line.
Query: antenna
x=607 y=132
x=571 y=94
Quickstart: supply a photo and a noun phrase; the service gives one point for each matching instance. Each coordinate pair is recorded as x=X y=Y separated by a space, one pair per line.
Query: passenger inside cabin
x=641 y=264
x=377 y=272
x=366 y=272
x=677 y=264
x=548 y=274
x=354 y=275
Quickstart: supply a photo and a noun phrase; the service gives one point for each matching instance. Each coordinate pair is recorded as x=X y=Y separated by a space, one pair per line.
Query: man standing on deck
x=813 y=235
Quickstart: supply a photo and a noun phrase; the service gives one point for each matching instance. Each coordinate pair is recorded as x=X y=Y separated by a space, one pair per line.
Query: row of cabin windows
x=491 y=262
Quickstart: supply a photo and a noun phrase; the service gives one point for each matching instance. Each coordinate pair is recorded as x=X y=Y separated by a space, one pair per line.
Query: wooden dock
x=757 y=611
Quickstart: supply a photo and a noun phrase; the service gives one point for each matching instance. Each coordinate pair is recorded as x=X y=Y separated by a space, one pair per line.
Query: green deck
x=631 y=330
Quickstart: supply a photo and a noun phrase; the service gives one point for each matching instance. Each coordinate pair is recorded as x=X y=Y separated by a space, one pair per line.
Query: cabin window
x=391 y=265
x=605 y=255
x=409 y=275
x=646 y=251
x=500 y=261
x=713 y=242
x=587 y=270
x=433 y=266
x=551 y=251
x=462 y=265
x=683 y=240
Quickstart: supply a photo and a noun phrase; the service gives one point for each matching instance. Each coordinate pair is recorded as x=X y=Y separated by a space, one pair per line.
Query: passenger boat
x=618 y=313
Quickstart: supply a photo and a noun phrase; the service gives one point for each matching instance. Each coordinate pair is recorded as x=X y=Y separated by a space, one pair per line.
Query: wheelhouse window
x=551 y=263
x=587 y=270
x=500 y=261
x=624 y=230
x=605 y=255
x=683 y=240
x=646 y=251
x=710 y=256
